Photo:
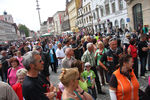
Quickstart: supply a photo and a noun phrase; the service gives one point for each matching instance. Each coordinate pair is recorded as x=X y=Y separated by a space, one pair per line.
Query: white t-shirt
x=60 y=53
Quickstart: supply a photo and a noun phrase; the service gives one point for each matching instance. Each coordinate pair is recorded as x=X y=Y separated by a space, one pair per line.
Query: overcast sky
x=24 y=11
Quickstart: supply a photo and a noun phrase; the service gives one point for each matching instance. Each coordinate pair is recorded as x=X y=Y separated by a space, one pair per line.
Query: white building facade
x=108 y=15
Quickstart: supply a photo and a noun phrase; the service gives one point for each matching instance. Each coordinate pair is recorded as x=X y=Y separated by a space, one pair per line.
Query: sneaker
x=143 y=77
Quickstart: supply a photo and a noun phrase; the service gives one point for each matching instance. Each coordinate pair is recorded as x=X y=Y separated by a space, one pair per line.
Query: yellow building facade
x=72 y=7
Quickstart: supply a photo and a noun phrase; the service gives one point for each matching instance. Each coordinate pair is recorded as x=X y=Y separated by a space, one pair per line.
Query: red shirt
x=18 y=89
x=133 y=51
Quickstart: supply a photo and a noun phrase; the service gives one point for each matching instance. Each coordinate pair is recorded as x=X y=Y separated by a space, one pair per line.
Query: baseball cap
x=87 y=64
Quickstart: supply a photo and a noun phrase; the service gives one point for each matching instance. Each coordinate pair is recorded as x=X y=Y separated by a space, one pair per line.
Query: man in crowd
x=33 y=88
x=6 y=92
x=111 y=58
x=46 y=59
x=88 y=56
x=60 y=54
x=143 y=52
x=67 y=61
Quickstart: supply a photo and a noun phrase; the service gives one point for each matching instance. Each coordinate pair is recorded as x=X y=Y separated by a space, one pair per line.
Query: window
x=87 y=19
x=84 y=21
x=102 y=12
x=86 y=9
x=107 y=9
x=113 y=8
x=122 y=23
x=89 y=8
x=94 y=15
x=120 y=4
x=90 y=18
x=116 y=23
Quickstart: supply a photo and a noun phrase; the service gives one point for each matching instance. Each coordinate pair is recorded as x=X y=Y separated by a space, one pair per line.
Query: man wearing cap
x=88 y=56
x=111 y=58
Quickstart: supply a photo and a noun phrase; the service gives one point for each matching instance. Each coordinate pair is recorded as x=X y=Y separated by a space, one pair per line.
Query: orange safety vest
x=126 y=89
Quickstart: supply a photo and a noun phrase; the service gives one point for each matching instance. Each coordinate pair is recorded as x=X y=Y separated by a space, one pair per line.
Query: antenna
x=38 y=9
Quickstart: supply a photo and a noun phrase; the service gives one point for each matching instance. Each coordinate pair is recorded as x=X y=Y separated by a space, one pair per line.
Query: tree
x=24 y=29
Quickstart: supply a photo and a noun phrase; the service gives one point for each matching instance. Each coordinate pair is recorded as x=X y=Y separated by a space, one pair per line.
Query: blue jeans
x=143 y=61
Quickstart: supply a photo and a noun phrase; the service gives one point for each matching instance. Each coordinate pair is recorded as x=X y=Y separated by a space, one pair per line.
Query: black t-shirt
x=34 y=89
x=140 y=46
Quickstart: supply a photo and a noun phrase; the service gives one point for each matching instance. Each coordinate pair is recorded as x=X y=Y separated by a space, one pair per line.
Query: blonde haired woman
x=21 y=73
x=70 y=79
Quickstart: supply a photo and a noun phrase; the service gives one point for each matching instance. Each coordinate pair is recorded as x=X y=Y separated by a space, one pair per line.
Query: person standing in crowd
x=21 y=73
x=88 y=56
x=123 y=83
x=89 y=76
x=80 y=65
x=46 y=60
x=105 y=41
x=67 y=44
x=110 y=58
x=132 y=50
x=86 y=42
x=69 y=58
x=6 y=92
x=145 y=29
x=19 y=58
x=53 y=60
x=98 y=55
x=5 y=65
x=126 y=42
x=14 y=66
x=60 y=54
x=33 y=88
x=143 y=52
x=70 y=79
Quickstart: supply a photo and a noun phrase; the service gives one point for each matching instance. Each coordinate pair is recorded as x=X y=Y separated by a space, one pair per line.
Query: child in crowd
x=89 y=76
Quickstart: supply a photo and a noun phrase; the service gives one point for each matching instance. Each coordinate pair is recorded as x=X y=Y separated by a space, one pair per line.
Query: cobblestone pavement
x=54 y=78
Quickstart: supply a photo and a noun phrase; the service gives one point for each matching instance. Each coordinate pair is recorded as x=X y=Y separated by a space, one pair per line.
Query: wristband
x=82 y=92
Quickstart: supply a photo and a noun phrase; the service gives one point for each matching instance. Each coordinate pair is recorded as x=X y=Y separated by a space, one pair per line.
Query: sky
x=24 y=11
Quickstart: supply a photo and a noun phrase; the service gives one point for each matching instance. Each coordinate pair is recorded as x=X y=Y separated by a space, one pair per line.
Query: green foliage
x=23 y=28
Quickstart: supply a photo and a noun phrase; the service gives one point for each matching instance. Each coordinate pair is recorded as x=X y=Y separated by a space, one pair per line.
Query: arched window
x=122 y=23
x=116 y=23
x=120 y=4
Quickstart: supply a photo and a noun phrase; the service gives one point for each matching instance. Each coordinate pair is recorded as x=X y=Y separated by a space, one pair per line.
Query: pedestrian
x=70 y=79
x=11 y=74
x=21 y=73
x=60 y=54
x=53 y=60
x=98 y=55
x=143 y=52
x=6 y=92
x=123 y=83
x=132 y=50
x=89 y=76
x=110 y=58
x=33 y=87
x=46 y=59
x=69 y=58
x=88 y=56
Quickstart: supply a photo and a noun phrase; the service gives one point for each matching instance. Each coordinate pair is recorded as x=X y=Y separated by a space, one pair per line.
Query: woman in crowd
x=132 y=50
x=20 y=58
x=21 y=73
x=124 y=84
x=98 y=55
x=11 y=73
x=70 y=79
x=79 y=64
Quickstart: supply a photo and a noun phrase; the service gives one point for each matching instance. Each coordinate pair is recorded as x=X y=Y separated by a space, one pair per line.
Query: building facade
x=138 y=13
x=108 y=15
x=50 y=25
x=43 y=28
x=57 y=18
x=7 y=18
x=8 y=31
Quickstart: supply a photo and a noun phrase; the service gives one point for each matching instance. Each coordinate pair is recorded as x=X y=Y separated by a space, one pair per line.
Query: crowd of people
x=87 y=63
